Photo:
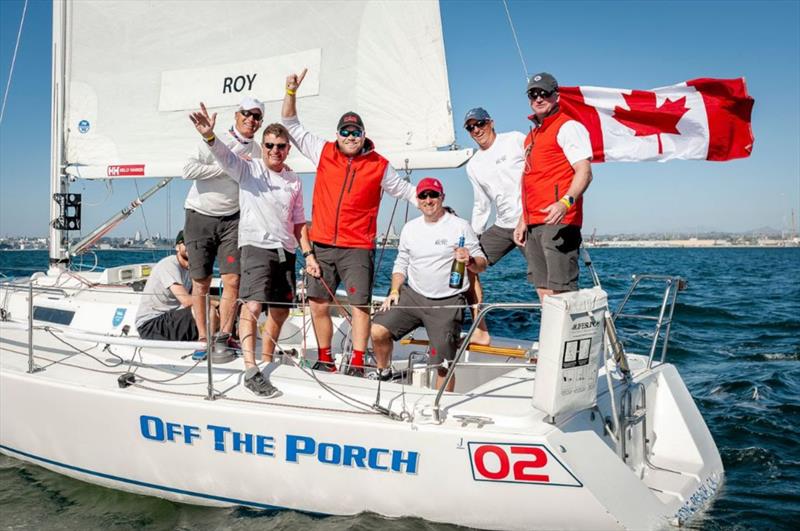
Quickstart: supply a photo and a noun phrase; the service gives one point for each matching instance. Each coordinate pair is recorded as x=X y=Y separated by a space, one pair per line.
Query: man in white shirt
x=212 y=217
x=272 y=222
x=165 y=309
x=495 y=172
x=428 y=246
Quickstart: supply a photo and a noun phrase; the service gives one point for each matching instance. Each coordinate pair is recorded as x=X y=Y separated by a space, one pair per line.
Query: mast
x=58 y=179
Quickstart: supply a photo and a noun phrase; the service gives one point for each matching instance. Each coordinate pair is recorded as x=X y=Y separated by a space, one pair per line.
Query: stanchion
x=31 y=367
x=209 y=346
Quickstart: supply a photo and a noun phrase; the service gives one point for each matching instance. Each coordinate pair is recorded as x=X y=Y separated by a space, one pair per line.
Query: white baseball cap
x=249 y=103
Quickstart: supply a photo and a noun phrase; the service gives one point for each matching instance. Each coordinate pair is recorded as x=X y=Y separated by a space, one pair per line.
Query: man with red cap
x=350 y=179
x=428 y=245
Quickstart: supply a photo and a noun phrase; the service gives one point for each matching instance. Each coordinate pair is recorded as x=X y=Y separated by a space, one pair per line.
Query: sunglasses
x=428 y=193
x=281 y=146
x=257 y=116
x=537 y=93
x=355 y=133
x=480 y=124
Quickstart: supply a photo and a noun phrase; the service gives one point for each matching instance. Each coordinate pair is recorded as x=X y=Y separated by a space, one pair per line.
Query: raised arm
x=231 y=164
x=309 y=145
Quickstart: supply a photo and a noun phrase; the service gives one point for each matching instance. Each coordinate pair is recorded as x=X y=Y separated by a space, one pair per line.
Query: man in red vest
x=347 y=193
x=557 y=172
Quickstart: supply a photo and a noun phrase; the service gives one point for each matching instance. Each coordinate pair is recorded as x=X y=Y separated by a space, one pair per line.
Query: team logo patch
x=231 y=259
x=351 y=289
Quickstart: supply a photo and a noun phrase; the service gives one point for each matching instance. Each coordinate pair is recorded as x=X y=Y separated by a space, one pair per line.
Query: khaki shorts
x=207 y=237
x=552 y=254
x=268 y=276
x=443 y=325
x=354 y=267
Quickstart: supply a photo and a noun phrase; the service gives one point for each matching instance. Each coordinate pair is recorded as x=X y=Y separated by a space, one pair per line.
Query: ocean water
x=735 y=340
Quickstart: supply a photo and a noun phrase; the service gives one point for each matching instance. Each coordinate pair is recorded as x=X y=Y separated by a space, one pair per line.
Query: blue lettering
x=173 y=430
x=190 y=433
x=297 y=444
x=410 y=461
x=354 y=456
x=242 y=439
x=374 y=457
x=335 y=456
x=265 y=445
x=152 y=428
x=219 y=436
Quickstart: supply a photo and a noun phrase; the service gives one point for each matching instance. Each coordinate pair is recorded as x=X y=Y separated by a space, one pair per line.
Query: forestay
x=135 y=70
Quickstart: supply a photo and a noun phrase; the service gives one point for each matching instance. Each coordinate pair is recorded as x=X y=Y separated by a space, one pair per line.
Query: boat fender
x=126 y=380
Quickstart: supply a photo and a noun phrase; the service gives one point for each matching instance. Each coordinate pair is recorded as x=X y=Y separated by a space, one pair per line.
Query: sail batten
x=134 y=76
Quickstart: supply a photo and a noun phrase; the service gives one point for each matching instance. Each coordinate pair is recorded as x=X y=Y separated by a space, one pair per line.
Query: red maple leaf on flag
x=645 y=118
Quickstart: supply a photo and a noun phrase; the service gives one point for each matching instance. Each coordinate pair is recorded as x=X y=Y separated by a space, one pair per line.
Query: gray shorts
x=443 y=325
x=174 y=325
x=207 y=237
x=354 y=267
x=497 y=242
x=268 y=276
x=552 y=254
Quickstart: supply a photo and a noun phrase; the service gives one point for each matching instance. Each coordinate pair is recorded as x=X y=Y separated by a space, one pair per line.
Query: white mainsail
x=136 y=68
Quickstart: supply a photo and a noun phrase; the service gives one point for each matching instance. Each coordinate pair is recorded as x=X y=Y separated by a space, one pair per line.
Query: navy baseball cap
x=478 y=113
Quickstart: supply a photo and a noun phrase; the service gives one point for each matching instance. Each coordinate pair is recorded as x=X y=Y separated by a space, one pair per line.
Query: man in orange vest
x=350 y=179
x=557 y=172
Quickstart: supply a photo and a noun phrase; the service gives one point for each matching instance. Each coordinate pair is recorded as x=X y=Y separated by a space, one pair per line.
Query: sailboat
x=570 y=431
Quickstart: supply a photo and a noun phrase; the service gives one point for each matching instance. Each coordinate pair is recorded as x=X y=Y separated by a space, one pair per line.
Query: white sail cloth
x=135 y=70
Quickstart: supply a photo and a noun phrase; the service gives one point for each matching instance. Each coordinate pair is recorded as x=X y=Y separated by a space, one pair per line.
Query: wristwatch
x=307 y=253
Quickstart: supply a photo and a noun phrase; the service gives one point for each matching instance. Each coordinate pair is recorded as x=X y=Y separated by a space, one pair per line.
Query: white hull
x=73 y=418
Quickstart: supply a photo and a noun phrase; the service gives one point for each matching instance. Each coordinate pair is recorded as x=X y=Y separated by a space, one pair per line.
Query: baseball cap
x=179 y=238
x=248 y=103
x=478 y=113
x=543 y=80
x=429 y=183
x=350 y=119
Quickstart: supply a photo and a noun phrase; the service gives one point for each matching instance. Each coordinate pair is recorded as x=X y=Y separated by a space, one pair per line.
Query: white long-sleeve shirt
x=213 y=192
x=427 y=250
x=495 y=174
x=271 y=202
x=311 y=147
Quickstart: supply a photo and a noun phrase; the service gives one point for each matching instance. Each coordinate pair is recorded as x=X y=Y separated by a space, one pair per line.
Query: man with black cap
x=165 y=310
x=428 y=245
x=350 y=179
x=557 y=172
x=212 y=218
x=495 y=172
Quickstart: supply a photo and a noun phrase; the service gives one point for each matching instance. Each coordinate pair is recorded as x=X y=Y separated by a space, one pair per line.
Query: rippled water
x=735 y=340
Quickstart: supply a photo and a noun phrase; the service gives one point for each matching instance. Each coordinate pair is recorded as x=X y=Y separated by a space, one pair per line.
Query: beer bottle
x=457 y=270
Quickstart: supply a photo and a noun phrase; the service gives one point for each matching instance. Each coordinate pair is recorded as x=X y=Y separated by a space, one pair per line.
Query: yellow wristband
x=394 y=292
x=209 y=138
x=291 y=92
x=565 y=202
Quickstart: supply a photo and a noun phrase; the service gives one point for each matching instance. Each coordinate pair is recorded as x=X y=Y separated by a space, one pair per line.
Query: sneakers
x=257 y=384
x=355 y=370
x=232 y=343
x=386 y=374
x=199 y=355
x=324 y=366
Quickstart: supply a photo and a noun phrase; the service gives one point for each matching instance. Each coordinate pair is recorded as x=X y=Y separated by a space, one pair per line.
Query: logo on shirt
x=441 y=241
x=501 y=159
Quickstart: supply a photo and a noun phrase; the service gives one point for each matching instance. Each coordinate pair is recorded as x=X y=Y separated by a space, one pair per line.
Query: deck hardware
x=479 y=421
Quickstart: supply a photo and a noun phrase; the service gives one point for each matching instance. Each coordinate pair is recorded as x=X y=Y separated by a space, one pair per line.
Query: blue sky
x=616 y=44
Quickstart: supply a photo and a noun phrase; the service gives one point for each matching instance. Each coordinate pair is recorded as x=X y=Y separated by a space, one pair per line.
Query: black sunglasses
x=480 y=123
x=537 y=92
x=270 y=145
x=257 y=116
x=355 y=133
x=428 y=193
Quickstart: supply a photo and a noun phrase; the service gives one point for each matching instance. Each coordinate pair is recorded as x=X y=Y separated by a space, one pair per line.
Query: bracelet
x=306 y=254
x=291 y=92
x=564 y=201
x=210 y=138
x=394 y=292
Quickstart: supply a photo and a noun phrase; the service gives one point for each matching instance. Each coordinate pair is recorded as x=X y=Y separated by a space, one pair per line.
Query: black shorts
x=443 y=325
x=174 y=325
x=207 y=237
x=354 y=267
x=496 y=242
x=268 y=276
x=552 y=254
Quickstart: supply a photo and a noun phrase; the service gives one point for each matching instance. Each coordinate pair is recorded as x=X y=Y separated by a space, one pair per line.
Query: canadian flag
x=699 y=119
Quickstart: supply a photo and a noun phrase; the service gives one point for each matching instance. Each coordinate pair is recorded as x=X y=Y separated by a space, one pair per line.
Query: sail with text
x=701 y=119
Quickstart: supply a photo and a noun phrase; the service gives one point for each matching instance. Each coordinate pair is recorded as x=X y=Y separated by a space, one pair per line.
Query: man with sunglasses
x=272 y=223
x=212 y=218
x=495 y=172
x=557 y=173
x=428 y=245
x=351 y=177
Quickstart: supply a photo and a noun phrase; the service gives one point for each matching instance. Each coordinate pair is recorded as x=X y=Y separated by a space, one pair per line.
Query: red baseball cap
x=429 y=183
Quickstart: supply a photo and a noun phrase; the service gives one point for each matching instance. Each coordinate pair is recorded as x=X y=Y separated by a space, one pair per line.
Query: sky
x=635 y=45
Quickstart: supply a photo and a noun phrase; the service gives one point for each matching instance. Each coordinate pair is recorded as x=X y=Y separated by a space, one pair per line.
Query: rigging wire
x=13 y=61
x=516 y=40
